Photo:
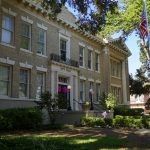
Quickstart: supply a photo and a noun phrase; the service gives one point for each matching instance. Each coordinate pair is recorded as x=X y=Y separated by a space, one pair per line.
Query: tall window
x=97 y=91
x=40 y=84
x=115 y=68
x=91 y=85
x=116 y=92
x=4 y=80
x=63 y=49
x=81 y=56
x=26 y=36
x=97 y=62
x=82 y=90
x=7 y=29
x=90 y=59
x=41 y=42
x=24 y=83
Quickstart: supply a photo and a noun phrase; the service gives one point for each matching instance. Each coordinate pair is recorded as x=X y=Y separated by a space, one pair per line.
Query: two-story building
x=40 y=54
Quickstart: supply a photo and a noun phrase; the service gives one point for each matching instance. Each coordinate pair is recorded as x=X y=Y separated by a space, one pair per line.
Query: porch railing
x=66 y=61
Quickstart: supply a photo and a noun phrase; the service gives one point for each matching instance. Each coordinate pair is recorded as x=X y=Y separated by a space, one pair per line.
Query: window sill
x=8 y=45
x=41 y=55
x=83 y=67
x=16 y=99
x=97 y=71
x=116 y=77
x=90 y=69
x=25 y=50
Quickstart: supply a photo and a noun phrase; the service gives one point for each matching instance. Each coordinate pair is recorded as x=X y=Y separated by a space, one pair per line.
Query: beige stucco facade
x=14 y=56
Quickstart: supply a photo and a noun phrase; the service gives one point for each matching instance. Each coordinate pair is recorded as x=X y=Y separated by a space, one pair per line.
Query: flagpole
x=147 y=28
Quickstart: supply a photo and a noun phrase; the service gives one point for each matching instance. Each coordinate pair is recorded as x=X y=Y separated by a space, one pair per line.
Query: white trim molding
x=98 y=81
x=116 y=85
x=82 y=78
x=42 y=26
x=90 y=48
x=26 y=65
x=41 y=69
x=82 y=44
x=9 y=11
x=64 y=32
x=7 y=61
x=90 y=79
x=26 y=19
x=96 y=51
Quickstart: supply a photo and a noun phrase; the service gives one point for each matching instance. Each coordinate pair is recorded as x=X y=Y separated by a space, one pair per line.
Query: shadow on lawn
x=78 y=139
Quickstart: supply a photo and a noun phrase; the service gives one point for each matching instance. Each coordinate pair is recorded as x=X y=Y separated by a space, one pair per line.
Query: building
x=41 y=54
x=139 y=102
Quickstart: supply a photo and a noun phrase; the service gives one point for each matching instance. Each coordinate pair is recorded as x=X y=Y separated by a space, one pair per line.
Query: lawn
x=48 y=142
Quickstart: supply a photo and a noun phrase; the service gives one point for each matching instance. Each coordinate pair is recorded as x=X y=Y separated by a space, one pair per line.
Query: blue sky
x=134 y=62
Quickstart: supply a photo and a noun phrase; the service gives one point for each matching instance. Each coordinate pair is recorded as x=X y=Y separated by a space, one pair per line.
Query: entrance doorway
x=62 y=96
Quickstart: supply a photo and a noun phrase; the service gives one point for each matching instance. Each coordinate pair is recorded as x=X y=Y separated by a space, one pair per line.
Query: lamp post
x=91 y=92
x=69 y=106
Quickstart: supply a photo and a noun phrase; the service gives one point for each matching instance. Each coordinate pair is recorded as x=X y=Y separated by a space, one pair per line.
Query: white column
x=124 y=83
x=54 y=82
x=75 y=93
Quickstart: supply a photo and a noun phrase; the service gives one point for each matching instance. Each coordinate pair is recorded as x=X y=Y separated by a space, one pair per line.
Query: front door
x=62 y=96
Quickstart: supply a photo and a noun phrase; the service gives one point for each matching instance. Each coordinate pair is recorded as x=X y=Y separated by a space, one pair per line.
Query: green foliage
x=20 y=118
x=92 y=121
x=123 y=111
x=118 y=121
x=111 y=101
x=91 y=14
x=108 y=101
x=50 y=104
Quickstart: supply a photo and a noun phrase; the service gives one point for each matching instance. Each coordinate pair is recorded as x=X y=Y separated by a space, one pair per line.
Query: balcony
x=64 y=60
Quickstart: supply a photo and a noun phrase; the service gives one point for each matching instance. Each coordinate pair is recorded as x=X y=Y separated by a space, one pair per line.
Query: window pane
x=7 y=36
x=41 y=37
x=4 y=80
x=8 y=23
x=40 y=84
x=63 y=44
x=24 y=76
x=26 y=30
x=3 y=88
x=23 y=90
x=25 y=43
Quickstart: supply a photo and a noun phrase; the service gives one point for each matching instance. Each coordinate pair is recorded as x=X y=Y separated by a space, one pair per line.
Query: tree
x=91 y=13
x=50 y=104
x=126 y=20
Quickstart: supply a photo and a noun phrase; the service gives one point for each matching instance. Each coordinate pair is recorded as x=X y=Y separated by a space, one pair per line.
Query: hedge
x=118 y=121
x=20 y=118
x=124 y=111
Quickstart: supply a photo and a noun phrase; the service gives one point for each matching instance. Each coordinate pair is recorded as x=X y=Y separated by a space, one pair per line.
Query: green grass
x=45 y=142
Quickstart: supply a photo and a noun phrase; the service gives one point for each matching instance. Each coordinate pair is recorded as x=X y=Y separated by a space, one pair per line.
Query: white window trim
x=83 y=58
x=68 y=45
x=26 y=19
x=98 y=62
x=28 y=85
x=9 y=11
x=91 y=60
x=90 y=79
x=41 y=55
x=7 y=61
x=90 y=48
x=42 y=26
x=82 y=78
x=116 y=85
x=25 y=50
x=45 y=42
x=96 y=51
x=65 y=33
x=26 y=65
x=81 y=44
x=98 y=81
x=42 y=69
x=7 y=45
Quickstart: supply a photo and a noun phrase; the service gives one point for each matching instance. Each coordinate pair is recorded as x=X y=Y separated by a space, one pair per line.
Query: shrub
x=123 y=111
x=20 y=118
x=108 y=121
x=119 y=121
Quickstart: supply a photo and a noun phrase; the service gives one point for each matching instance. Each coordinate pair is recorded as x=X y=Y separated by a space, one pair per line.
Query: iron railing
x=63 y=60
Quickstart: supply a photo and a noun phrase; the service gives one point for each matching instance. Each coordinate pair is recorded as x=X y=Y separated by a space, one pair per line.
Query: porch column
x=124 y=83
x=54 y=82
